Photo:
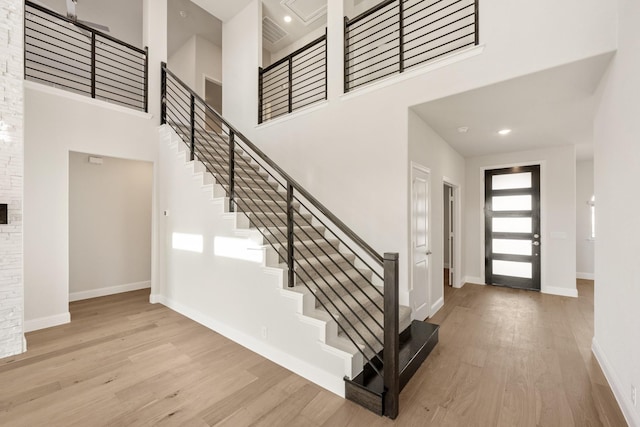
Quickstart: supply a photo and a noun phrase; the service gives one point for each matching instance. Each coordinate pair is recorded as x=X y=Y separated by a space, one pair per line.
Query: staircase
x=355 y=286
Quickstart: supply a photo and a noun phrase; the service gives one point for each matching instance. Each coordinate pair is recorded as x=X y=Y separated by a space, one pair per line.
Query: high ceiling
x=306 y=16
x=548 y=108
x=185 y=19
x=222 y=9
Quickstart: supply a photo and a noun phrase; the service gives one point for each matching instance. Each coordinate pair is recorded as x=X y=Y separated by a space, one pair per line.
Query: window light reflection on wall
x=187 y=242
x=237 y=248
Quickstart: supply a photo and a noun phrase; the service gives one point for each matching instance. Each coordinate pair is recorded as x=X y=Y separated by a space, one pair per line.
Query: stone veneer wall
x=11 y=176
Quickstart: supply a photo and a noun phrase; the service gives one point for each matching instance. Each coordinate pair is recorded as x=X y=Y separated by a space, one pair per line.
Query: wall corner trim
x=111 y=290
x=47 y=322
x=563 y=292
x=619 y=391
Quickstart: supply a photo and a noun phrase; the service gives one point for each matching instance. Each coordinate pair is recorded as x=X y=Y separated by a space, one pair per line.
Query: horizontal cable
x=369 y=66
x=120 y=75
x=117 y=101
x=101 y=82
x=57 y=84
x=431 y=13
x=118 y=46
x=359 y=26
x=336 y=264
x=29 y=38
x=311 y=52
x=352 y=51
x=272 y=83
x=299 y=70
x=28 y=31
x=343 y=330
x=353 y=43
x=434 y=30
x=56 y=68
x=137 y=71
x=343 y=242
x=307 y=77
x=67 y=33
x=140 y=88
x=117 y=94
x=105 y=53
x=440 y=45
x=371 y=80
x=393 y=47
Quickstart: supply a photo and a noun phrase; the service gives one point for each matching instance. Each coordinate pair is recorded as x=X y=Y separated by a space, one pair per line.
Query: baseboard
x=298 y=366
x=616 y=386
x=474 y=280
x=155 y=299
x=585 y=276
x=111 y=290
x=435 y=307
x=563 y=292
x=47 y=322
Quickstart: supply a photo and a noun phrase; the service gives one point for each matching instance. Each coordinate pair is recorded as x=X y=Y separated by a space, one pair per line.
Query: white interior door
x=450 y=235
x=420 y=245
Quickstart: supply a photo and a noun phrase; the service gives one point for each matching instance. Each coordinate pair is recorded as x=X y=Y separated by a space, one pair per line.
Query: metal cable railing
x=63 y=53
x=293 y=82
x=355 y=285
x=399 y=34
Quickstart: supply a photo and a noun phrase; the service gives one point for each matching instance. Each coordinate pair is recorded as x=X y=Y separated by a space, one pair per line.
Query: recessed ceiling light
x=287 y=19
x=505 y=132
x=463 y=129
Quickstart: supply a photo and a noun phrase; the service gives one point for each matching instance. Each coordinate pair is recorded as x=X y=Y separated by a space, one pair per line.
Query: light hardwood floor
x=505 y=358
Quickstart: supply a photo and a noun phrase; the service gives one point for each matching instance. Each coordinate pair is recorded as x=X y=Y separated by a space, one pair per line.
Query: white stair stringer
x=249 y=302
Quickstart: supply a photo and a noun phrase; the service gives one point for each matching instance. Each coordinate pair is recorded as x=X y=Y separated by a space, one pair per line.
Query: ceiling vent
x=271 y=31
x=306 y=11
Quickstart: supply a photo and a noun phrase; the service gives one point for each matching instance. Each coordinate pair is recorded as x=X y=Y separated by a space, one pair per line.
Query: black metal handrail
x=398 y=34
x=293 y=82
x=319 y=250
x=62 y=52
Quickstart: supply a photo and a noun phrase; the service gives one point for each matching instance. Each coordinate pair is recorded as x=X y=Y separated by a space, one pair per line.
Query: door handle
x=429 y=252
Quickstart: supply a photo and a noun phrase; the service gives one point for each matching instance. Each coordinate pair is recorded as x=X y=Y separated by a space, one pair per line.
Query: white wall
x=355 y=150
x=240 y=299
x=109 y=226
x=208 y=63
x=427 y=148
x=196 y=59
x=11 y=178
x=306 y=39
x=557 y=215
x=183 y=62
x=57 y=122
x=617 y=246
x=584 y=242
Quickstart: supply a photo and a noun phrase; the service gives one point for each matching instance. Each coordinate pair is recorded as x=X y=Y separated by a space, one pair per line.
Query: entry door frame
x=543 y=216
x=456 y=256
x=422 y=309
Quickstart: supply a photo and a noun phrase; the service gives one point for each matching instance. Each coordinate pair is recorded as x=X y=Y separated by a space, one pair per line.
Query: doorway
x=512 y=227
x=213 y=98
x=420 y=241
x=448 y=234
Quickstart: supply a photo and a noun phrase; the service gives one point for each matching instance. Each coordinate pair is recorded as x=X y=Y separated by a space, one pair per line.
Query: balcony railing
x=399 y=34
x=293 y=82
x=66 y=54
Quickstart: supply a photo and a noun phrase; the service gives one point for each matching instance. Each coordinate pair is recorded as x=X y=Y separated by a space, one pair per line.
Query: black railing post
x=163 y=93
x=477 y=21
x=346 y=54
x=401 y=34
x=146 y=79
x=232 y=167
x=290 y=83
x=260 y=100
x=193 y=128
x=93 y=65
x=390 y=355
x=290 y=225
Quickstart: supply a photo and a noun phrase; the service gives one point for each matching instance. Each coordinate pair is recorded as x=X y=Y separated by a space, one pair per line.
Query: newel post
x=391 y=350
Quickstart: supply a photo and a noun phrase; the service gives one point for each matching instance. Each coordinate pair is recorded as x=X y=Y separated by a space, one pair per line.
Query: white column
x=11 y=177
x=154 y=36
x=335 y=48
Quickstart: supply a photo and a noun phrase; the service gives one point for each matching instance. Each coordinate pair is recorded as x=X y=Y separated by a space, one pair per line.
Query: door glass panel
x=512 y=268
x=511 y=203
x=511 y=225
x=512 y=246
x=511 y=180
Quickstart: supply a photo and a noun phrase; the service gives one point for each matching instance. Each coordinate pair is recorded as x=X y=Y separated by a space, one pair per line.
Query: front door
x=512 y=227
